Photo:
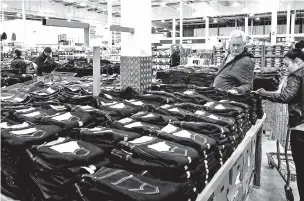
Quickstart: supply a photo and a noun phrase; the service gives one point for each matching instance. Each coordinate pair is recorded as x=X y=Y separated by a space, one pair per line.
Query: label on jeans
x=160 y=146
x=5 y=97
x=189 y=92
x=249 y=161
x=118 y=106
x=87 y=108
x=108 y=96
x=135 y=124
x=209 y=104
x=58 y=107
x=219 y=107
x=26 y=110
x=169 y=128
x=5 y=126
x=238 y=181
x=50 y=91
x=59 y=140
x=148 y=115
x=174 y=110
x=200 y=112
x=125 y=120
x=213 y=117
x=165 y=106
x=63 y=117
x=24 y=132
x=183 y=133
x=18 y=99
x=42 y=94
x=138 y=103
x=33 y=114
x=142 y=139
x=69 y=147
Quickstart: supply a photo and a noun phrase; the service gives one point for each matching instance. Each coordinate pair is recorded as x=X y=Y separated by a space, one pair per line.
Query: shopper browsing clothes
x=45 y=63
x=293 y=95
x=237 y=71
x=18 y=63
x=175 y=57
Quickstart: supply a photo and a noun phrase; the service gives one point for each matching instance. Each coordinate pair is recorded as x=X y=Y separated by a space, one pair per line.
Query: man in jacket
x=175 y=57
x=18 y=63
x=44 y=62
x=237 y=71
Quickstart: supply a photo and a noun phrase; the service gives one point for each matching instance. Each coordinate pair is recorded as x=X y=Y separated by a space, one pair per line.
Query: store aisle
x=272 y=188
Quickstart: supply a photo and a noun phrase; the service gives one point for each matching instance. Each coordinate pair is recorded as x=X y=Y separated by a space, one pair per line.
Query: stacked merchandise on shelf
x=219 y=55
x=274 y=55
x=202 y=76
x=161 y=59
x=269 y=81
x=165 y=144
x=257 y=51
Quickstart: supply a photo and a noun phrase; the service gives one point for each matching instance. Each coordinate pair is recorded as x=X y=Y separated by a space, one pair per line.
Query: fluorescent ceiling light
x=83 y=4
x=235 y=4
x=257 y=19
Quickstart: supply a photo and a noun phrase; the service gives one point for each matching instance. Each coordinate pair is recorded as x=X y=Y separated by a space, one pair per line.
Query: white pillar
x=173 y=31
x=24 y=22
x=207 y=31
x=246 y=25
x=288 y=21
x=293 y=22
x=96 y=71
x=110 y=21
x=181 y=15
x=274 y=24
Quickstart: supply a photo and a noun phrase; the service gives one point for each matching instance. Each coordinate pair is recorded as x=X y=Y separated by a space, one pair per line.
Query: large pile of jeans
x=268 y=80
x=165 y=144
x=82 y=68
x=12 y=76
x=187 y=75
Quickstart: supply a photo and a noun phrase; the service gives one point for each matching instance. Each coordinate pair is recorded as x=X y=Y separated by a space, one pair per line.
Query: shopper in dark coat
x=44 y=62
x=18 y=63
x=237 y=71
x=175 y=59
x=293 y=95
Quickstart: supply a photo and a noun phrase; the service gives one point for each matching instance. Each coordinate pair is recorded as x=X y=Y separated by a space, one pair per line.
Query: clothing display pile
x=164 y=144
x=187 y=75
x=13 y=76
x=82 y=68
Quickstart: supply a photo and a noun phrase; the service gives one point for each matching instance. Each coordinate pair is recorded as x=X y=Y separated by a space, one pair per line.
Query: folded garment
x=132 y=125
x=153 y=118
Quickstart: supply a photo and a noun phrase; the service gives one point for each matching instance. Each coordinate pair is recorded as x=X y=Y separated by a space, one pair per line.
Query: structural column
x=207 y=31
x=136 y=51
x=274 y=22
x=288 y=21
x=293 y=23
x=173 y=31
x=246 y=25
x=96 y=71
x=24 y=22
x=110 y=21
x=181 y=14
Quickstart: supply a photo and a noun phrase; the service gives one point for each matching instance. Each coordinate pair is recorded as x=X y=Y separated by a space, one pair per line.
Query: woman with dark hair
x=293 y=95
x=18 y=63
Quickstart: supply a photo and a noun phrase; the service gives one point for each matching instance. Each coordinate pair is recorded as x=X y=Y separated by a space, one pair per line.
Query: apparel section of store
x=125 y=109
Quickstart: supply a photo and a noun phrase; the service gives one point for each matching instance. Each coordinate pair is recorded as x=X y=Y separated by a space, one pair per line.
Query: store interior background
x=224 y=16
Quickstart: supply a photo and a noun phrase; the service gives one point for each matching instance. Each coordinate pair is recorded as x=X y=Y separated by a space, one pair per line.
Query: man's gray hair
x=237 y=34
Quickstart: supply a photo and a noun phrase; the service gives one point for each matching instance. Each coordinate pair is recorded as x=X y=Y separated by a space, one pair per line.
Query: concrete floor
x=272 y=188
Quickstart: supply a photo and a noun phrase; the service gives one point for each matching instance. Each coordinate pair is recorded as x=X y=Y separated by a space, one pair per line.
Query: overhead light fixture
x=215 y=21
x=235 y=4
x=251 y=14
x=163 y=4
x=18 y=15
x=4 y=6
x=83 y=4
x=257 y=19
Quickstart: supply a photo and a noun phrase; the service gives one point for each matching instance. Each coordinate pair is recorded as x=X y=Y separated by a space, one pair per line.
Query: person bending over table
x=237 y=70
x=293 y=95
x=45 y=62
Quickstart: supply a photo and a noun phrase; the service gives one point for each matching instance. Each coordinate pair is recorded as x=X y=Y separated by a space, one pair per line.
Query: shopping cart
x=277 y=122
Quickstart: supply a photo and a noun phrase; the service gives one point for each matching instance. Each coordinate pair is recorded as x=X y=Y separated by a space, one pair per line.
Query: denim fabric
x=123 y=109
x=67 y=151
x=223 y=109
x=29 y=135
x=133 y=125
x=169 y=87
x=156 y=99
x=155 y=149
x=203 y=128
x=153 y=118
x=115 y=184
x=215 y=119
x=188 y=138
x=77 y=99
x=192 y=96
